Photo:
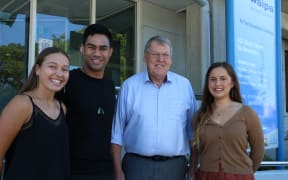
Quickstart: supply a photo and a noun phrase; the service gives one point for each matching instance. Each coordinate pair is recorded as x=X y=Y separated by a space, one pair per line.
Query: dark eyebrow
x=104 y=45
x=51 y=62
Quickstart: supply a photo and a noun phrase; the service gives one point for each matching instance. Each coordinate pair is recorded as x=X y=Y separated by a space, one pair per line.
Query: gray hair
x=159 y=39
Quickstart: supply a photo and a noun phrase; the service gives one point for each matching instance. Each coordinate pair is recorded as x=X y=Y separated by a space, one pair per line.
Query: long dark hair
x=206 y=108
x=32 y=81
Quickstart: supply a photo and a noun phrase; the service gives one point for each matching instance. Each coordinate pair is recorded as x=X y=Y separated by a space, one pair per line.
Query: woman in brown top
x=224 y=129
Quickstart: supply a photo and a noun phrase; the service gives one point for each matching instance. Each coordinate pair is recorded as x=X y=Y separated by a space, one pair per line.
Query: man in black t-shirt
x=90 y=101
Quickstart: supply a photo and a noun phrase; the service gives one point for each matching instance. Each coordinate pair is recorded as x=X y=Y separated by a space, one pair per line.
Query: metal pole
x=278 y=37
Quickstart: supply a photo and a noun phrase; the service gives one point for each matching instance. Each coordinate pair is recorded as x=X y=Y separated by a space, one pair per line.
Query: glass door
x=14 y=30
x=122 y=25
x=61 y=24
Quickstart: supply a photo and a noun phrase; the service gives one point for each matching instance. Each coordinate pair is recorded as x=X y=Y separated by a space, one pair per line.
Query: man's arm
x=193 y=163
x=116 y=155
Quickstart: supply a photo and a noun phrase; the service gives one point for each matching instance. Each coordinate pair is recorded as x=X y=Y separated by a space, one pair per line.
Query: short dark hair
x=97 y=29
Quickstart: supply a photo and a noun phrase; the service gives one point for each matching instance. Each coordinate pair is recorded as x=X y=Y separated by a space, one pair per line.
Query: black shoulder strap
x=29 y=98
x=29 y=123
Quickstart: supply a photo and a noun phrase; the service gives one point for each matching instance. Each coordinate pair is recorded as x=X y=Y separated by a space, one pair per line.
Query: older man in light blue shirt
x=153 y=119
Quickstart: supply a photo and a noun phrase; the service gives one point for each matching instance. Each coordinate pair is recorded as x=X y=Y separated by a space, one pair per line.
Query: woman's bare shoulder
x=19 y=108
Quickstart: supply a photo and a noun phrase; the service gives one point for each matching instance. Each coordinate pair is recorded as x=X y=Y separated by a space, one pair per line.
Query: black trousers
x=139 y=168
x=92 y=177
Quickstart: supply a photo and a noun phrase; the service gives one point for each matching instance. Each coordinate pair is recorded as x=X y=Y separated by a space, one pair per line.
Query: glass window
x=62 y=26
x=122 y=25
x=14 y=24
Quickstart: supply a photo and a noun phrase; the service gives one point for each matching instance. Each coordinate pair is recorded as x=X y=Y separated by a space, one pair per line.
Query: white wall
x=218 y=30
x=160 y=21
x=193 y=31
x=284 y=18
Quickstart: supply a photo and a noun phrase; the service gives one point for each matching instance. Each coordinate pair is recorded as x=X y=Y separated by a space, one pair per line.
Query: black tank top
x=40 y=151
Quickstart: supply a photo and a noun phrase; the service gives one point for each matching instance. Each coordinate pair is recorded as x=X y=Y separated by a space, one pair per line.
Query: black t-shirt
x=90 y=108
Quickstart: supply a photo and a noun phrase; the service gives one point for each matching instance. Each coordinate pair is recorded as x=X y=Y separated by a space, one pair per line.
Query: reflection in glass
x=61 y=24
x=14 y=17
x=122 y=25
x=59 y=32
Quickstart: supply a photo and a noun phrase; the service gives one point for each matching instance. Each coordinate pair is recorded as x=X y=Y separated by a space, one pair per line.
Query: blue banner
x=252 y=52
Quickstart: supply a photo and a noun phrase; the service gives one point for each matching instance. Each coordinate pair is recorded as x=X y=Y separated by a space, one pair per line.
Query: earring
x=37 y=81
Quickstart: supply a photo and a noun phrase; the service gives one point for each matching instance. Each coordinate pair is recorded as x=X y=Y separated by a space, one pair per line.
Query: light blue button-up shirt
x=154 y=121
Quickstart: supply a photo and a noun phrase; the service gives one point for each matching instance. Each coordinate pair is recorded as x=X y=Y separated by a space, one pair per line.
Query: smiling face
x=220 y=83
x=96 y=52
x=158 y=60
x=54 y=72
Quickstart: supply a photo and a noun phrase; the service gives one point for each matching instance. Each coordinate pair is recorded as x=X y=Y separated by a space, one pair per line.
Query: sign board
x=251 y=49
x=44 y=43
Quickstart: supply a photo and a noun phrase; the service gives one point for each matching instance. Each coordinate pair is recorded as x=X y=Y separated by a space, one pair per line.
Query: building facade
x=195 y=27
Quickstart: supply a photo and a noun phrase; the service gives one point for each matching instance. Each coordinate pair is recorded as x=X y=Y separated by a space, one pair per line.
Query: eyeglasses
x=158 y=55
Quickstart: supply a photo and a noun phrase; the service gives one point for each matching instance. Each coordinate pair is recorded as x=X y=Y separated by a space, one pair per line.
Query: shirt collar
x=167 y=78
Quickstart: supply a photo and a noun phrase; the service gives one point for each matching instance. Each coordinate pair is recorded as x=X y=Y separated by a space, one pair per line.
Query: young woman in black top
x=33 y=131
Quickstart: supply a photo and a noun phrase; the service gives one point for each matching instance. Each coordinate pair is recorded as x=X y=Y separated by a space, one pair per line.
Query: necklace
x=217 y=121
x=44 y=103
x=218 y=117
x=223 y=114
x=51 y=109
